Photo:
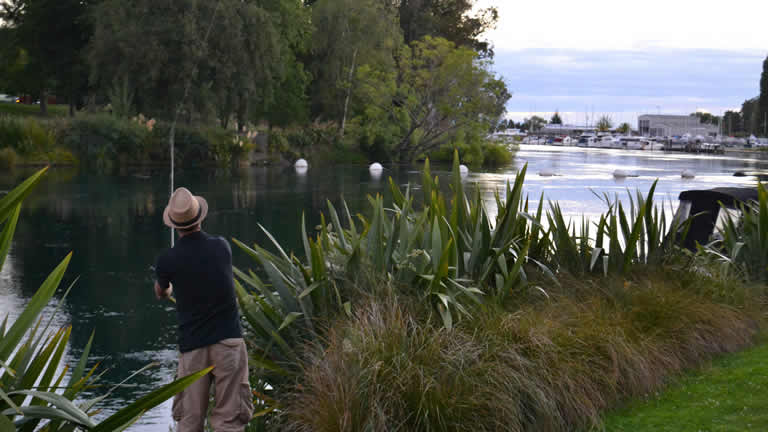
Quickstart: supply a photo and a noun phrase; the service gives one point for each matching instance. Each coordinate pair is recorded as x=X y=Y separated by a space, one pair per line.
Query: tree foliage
x=604 y=123
x=437 y=93
x=47 y=40
x=231 y=56
x=556 y=119
x=534 y=123
x=455 y=20
x=733 y=123
x=762 y=117
x=348 y=34
x=624 y=128
x=750 y=113
x=409 y=75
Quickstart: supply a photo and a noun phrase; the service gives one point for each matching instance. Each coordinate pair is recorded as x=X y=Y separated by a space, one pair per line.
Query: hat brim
x=203 y=213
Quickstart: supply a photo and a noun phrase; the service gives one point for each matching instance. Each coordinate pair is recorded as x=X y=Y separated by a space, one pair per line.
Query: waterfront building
x=564 y=129
x=674 y=125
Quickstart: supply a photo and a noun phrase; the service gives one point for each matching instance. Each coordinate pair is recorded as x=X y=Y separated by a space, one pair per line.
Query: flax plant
x=744 y=243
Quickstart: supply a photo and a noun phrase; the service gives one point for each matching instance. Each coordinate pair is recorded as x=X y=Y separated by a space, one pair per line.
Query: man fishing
x=198 y=270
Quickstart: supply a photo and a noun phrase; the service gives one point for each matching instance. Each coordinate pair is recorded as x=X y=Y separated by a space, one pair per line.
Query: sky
x=590 y=58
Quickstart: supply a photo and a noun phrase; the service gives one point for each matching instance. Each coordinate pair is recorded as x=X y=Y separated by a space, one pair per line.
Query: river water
x=114 y=226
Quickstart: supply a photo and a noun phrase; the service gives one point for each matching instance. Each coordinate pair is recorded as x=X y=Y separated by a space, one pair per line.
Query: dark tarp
x=708 y=202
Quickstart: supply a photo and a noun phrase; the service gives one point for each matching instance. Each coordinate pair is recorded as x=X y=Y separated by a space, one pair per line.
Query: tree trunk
x=242 y=113
x=44 y=102
x=349 y=93
x=72 y=97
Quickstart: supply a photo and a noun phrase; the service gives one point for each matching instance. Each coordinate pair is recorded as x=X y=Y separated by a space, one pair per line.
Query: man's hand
x=163 y=293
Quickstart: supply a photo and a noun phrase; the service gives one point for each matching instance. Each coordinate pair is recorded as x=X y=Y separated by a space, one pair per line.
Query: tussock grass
x=539 y=365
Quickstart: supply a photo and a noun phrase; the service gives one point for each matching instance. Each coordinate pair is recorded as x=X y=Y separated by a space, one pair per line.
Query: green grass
x=32 y=110
x=729 y=395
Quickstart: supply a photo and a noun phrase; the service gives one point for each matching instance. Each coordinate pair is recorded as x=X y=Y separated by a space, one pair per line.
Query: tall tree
x=348 y=34
x=750 y=114
x=762 y=118
x=53 y=35
x=223 y=58
x=437 y=93
x=604 y=123
x=732 y=123
x=534 y=123
x=556 y=119
x=624 y=128
x=454 y=20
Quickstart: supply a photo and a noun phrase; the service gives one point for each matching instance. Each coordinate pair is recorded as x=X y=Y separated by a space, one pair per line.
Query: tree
x=706 y=118
x=762 y=117
x=534 y=123
x=438 y=92
x=556 y=119
x=749 y=115
x=50 y=37
x=732 y=123
x=604 y=123
x=624 y=128
x=223 y=59
x=455 y=20
x=348 y=34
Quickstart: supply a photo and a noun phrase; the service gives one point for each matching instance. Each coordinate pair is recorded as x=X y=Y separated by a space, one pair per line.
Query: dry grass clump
x=550 y=365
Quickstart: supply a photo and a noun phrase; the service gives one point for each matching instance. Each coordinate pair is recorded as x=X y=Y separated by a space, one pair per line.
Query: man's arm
x=163 y=287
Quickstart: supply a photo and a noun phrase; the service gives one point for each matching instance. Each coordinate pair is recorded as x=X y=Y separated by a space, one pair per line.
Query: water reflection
x=113 y=225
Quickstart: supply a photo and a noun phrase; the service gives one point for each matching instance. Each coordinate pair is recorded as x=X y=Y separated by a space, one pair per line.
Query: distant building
x=564 y=129
x=673 y=125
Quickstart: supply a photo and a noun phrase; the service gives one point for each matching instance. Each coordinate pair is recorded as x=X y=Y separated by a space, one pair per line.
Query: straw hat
x=185 y=210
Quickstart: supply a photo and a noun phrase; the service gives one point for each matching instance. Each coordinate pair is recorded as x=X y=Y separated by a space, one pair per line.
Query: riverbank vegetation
x=33 y=392
x=360 y=80
x=436 y=314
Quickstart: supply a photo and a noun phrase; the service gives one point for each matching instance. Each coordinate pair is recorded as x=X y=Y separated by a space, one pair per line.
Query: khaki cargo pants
x=234 y=401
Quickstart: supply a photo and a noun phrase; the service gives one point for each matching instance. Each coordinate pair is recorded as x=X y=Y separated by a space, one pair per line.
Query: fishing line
x=172 y=134
x=187 y=85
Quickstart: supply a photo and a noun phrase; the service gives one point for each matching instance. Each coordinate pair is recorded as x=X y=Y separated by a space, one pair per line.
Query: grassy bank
x=546 y=365
x=730 y=394
x=435 y=316
x=25 y=110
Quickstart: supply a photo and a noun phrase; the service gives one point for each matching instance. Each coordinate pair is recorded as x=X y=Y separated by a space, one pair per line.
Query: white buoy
x=375 y=167
x=301 y=163
x=687 y=174
x=547 y=173
x=620 y=174
x=301 y=170
x=463 y=170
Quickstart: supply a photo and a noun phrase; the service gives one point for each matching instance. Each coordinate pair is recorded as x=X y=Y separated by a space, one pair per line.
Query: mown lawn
x=731 y=394
x=32 y=110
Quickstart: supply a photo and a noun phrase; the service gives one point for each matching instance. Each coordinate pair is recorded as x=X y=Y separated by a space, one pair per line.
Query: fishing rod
x=172 y=134
x=187 y=85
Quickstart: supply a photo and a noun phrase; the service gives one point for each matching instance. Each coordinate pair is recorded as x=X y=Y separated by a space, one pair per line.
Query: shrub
x=26 y=136
x=541 y=366
x=37 y=137
x=745 y=240
x=8 y=158
x=11 y=132
x=98 y=139
x=497 y=154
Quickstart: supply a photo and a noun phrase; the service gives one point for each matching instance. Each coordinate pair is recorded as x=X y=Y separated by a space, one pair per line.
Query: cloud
x=611 y=25
x=629 y=82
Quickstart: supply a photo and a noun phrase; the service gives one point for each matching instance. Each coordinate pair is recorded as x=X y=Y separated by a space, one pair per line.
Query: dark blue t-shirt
x=200 y=268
